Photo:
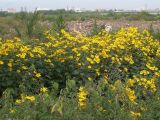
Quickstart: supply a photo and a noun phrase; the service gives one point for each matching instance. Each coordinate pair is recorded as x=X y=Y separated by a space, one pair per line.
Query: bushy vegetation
x=105 y=76
x=102 y=15
x=31 y=25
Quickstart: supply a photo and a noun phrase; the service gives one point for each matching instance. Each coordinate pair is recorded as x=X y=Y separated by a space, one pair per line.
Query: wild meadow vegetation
x=54 y=74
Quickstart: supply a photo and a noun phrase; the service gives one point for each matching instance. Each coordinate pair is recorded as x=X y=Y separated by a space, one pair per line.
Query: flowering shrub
x=118 y=74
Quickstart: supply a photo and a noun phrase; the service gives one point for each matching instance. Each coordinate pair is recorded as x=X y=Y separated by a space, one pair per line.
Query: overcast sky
x=87 y=4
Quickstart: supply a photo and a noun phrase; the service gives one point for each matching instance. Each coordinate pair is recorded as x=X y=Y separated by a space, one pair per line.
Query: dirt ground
x=85 y=26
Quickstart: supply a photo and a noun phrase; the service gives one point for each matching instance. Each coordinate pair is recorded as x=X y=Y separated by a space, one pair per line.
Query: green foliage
x=30 y=25
x=95 y=29
x=28 y=22
x=59 y=24
x=102 y=64
x=154 y=33
x=102 y=104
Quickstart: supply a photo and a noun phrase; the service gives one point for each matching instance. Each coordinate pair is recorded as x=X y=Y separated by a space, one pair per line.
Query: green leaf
x=70 y=84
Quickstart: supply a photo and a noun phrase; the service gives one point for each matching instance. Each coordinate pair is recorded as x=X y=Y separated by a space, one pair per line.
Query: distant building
x=42 y=9
x=74 y=9
x=11 y=10
x=100 y=10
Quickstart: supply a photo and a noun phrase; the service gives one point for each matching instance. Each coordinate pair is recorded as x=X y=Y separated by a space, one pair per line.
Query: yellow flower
x=22 y=55
x=31 y=98
x=1 y=62
x=157 y=73
x=97 y=59
x=24 y=67
x=23 y=98
x=131 y=82
x=17 y=39
x=12 y=110
x=18 y=101
x=142 y=108
x=48 y=61
x=89 y=67
x=18 y=71
x=153 y=68
x=131 y=94
x=112 y=87
x=10 y=64
x=82 y=97
x=44 y=89
x=126 y=69
x=104 y=54
x=31 y=55
x=38 y=75
x=144 y=72
x=135 y=114
x=89 y=78
x=90 y=60
x=78 y=54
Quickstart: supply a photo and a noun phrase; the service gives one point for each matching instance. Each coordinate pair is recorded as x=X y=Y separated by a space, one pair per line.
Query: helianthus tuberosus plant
x=119 y=73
